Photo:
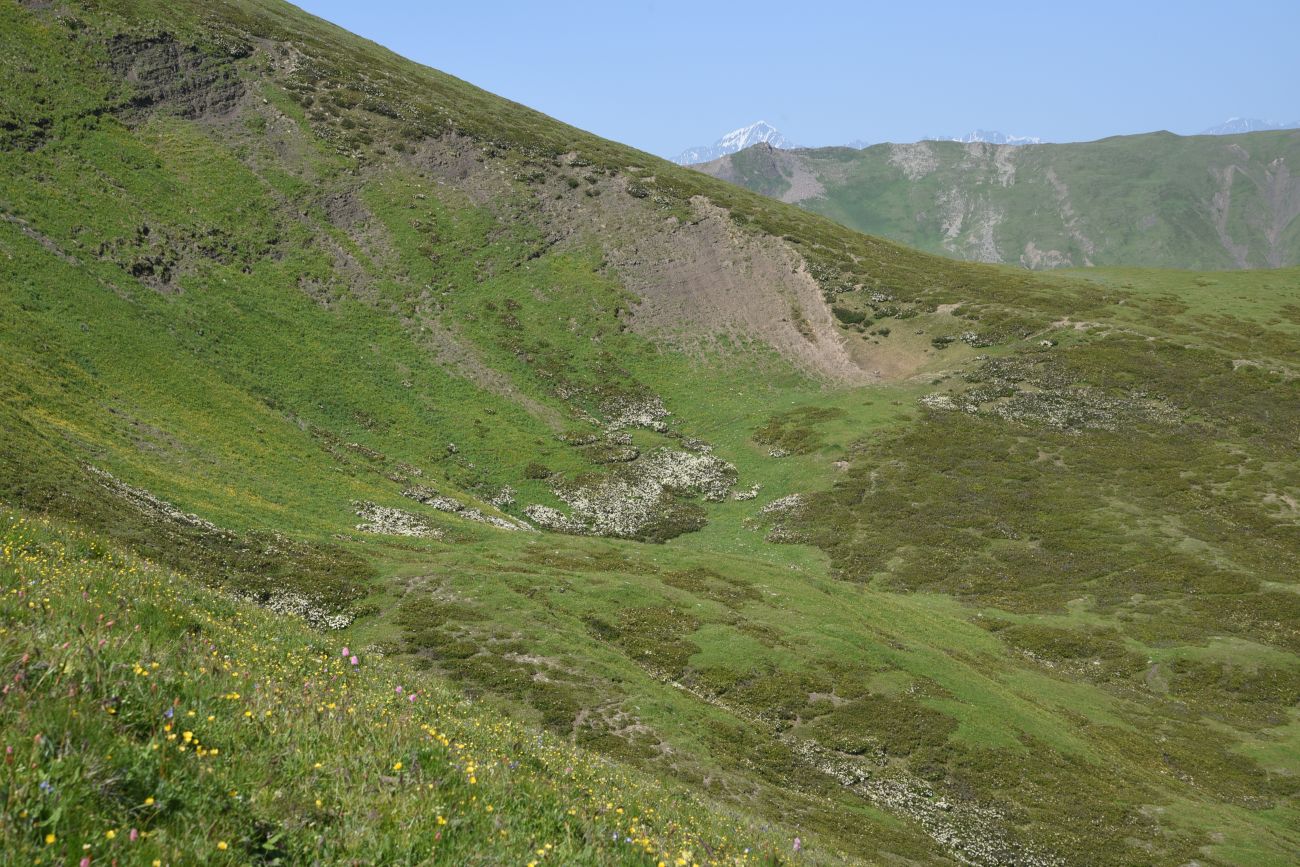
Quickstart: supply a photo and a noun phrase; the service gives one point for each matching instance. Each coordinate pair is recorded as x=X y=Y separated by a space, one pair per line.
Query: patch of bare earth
x=707 y=281
x=804 y=184
x=915 y=160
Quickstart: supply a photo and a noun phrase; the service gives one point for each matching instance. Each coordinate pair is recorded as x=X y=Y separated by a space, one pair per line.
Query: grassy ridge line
x=148 y=721
x=390 y=100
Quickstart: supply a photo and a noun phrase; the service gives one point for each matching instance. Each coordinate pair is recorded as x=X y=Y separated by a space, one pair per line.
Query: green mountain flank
x=1157 y=200
x=665 y=522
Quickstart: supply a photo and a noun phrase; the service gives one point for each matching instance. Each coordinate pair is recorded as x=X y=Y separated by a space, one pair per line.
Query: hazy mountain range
x=988 y=136
x=1154 y=200
x=1235 y=125
x=739 y=139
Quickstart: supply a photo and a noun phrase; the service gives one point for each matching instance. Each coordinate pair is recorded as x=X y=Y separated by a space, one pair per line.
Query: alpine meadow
x=392 y=474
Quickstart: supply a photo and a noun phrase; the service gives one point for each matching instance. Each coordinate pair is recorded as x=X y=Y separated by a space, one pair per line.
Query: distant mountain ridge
x=989 y=136
x=760 y=132
x=1152 y=200
x=1238 y=125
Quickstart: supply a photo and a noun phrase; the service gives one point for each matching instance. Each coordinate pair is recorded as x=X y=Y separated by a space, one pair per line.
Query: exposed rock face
x=166 y=74
x=708 y=281
x=914 y=160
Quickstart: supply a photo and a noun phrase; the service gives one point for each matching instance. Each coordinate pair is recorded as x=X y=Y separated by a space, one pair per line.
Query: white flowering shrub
x=388 y=521
x=1046 y=393
x=429 y=497
x=147 y=503
x=787 y=503
x=625 y=411
x=649 y=498
x=700 y=473
x=297 y=605
x=1077 y=408
x=938 y=401
x=779 y=514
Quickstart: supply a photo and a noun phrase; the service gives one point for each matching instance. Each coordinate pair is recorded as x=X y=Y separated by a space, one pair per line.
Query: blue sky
x=663 y=75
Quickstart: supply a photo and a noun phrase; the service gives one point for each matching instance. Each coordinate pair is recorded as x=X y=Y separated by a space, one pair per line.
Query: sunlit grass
x=145 y=719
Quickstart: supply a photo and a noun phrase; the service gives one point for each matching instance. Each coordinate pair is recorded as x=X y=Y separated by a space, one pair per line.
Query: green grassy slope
x=149 y=720
x=1018 y=587
x=1155 y=200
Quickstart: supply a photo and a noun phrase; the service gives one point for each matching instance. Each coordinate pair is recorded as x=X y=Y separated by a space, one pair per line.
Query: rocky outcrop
x=165 y=74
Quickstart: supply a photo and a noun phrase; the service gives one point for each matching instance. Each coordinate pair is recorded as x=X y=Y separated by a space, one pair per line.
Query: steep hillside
x=1155 y=200
x=906 y=558
x=150 y=720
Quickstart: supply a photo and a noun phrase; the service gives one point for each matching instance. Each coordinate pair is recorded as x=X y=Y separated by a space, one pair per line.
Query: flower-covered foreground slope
x=147 y=721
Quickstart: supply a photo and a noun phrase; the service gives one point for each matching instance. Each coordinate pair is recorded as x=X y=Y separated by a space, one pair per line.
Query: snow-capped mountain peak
x=736 y=140
x=990 y=136
x=762 y=131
